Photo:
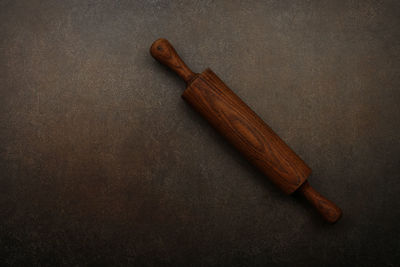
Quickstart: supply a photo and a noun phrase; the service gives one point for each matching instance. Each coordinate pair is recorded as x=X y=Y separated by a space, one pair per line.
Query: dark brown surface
x=102 y=161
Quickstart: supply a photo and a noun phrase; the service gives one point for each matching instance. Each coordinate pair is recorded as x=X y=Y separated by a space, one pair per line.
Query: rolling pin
x=245 y=130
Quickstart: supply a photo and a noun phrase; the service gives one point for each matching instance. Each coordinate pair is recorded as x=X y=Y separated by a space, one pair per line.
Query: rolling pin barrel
x=245 y=130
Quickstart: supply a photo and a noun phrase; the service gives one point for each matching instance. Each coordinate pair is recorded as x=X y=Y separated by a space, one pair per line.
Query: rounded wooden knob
x=165 y=53
x=328 y=210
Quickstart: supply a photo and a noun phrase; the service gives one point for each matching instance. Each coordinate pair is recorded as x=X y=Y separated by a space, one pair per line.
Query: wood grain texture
x=246 y=131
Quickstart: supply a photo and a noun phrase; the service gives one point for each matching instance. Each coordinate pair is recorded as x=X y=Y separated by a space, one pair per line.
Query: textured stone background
x=101 y=162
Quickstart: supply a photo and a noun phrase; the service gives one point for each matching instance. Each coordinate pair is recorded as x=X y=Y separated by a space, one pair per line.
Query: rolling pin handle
x=326 y=208
x=165 y=53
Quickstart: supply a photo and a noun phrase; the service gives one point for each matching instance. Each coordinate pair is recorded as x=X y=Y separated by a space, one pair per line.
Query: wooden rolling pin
x=227 y=113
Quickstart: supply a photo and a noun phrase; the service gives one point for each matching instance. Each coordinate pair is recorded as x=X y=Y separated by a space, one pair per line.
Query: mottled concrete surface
x=102 y=162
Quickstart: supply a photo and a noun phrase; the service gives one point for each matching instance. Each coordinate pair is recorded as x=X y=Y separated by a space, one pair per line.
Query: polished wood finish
x=241 y=126
x=329 y=211
x=164 y=52
x=246 y=131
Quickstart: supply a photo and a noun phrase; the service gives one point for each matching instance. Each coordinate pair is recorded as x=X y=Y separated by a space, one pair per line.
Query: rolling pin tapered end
x=326 y=208
x=165 y=53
